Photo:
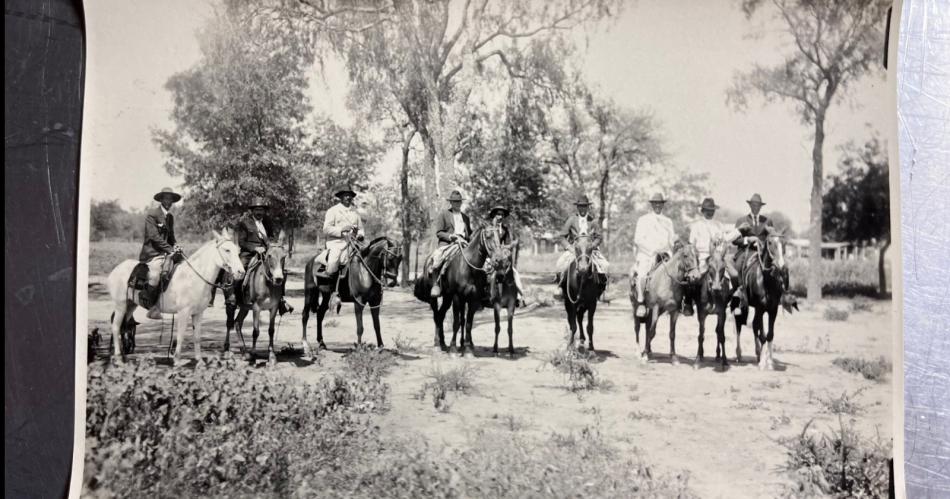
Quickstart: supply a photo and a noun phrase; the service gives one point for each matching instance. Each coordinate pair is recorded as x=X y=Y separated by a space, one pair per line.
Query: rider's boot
x=436 y=287
x=284 y=307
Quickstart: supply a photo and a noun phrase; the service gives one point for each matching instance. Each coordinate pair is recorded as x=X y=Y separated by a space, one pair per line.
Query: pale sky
x=675 y=57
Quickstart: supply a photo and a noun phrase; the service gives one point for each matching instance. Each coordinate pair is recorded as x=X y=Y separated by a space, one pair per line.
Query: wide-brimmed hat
x=657 y=198
x=755 y=199
x=498 y=208
x=709 y=204
x=455 y=196
x=582 y=200
x=340 y=191
x=259 y=202
x=167 y=191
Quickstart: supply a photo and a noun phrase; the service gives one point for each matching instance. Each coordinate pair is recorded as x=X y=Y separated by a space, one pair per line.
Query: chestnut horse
x=665 y=286
x=712 y=298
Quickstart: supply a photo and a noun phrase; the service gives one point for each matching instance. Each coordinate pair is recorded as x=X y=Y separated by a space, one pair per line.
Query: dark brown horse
x=712 y=298
x=582 y=287
x=764 y=279
x=503 y=292
x=369 y=269
x=664 y=293
x=265 y=292
x=464 y=285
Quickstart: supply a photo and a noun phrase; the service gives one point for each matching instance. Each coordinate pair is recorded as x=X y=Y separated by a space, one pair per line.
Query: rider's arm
x=566 y=232
x=154 y=237
x=445 y=228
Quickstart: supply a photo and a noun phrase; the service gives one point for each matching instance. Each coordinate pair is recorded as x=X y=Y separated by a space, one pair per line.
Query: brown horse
x=265 y=292
x=664 y=293
x=712 y=297
x=582 y=287
x=503 y=292
x=765 y=280
x=464 y=284
x=369 y=269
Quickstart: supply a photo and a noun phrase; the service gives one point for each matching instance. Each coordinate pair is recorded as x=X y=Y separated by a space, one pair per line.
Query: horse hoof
x=674 y=361
x=696 y=365
x=322 y=346
x=468 y=355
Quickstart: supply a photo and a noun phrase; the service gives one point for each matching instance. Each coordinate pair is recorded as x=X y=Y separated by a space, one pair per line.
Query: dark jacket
x=445 y=227
x=159 y=235
x=755 y=230
x=571 y=229
x=249 y=239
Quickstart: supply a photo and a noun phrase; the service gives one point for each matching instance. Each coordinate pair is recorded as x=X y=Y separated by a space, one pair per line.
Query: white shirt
x=260 y=228
x=339 y=218
x=654 y=234
x=164 y=211
x=582 y=225
x=459 y=223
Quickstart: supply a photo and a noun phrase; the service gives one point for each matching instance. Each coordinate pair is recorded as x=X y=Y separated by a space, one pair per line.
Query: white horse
x=188 y=293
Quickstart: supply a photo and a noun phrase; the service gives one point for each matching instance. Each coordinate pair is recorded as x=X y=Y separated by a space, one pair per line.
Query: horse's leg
x=654 y=318
x=180 y=335
x=580 y=324
x=590 y=326
x=738 y=320
x=321 y=313
x=470 y=309
x=511 y=326
x=229 y=325
x=374 y=312
x=256 y=328
x=769 y=364
x=358 y=311
x=721 y=334
x=497 y=310
x=196 y=327
x=757 y=333
x=673 y=358
x=118 y=320
x=439 y=312
x=239 y=328
x=701 y=317
x=271 y=355
x=305 y=317
x=571 y=320
x=457 y=309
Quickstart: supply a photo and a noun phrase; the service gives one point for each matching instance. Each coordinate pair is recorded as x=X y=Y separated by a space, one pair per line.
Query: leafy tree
x=104 y=219
x=238 y=117
x=857 y=204
x=432 y=55
x=834 y=44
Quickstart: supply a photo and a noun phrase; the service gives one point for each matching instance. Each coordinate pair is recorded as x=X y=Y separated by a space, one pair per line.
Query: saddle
x=660 y=260
x=320 y=266
x=138 y=281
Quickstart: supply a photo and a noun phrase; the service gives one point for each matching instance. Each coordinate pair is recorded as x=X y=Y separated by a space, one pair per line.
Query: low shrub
x=835 y=314
x=874 y=370
x=846 y=403
x=456 y=379
x=576 y=366
x=839 y=463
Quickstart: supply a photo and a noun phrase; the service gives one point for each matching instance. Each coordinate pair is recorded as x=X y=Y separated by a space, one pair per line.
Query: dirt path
x=721 y=426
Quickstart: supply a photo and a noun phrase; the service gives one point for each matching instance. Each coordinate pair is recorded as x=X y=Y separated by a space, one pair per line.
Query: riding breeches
x=641 y=268
x=336 y=255
x=156 y=266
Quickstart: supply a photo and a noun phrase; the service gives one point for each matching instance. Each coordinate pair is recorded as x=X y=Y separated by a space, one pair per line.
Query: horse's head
x=716 y=265
x=274 y=260
x=392 y=257
x=583 y=249
x=501 y=259
x=689 y=262
x=225 y=243
x=775 y=247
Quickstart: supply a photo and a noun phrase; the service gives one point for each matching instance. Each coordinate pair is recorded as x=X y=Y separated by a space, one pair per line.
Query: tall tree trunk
x=406 y=218
x=881 y=273
x=602 y=192
x=817 y=177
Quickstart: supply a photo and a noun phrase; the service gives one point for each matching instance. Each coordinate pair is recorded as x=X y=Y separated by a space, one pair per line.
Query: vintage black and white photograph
x=485 y=248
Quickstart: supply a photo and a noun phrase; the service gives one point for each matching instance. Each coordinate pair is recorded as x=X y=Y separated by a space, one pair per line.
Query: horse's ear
x=280 y=238
x=215 y=234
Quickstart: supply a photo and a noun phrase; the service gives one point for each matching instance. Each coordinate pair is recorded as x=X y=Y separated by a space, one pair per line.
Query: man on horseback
x=342 y=222
x=497 y=218
x=753 y=230
x=580 y=224
x=160 y=250
x=653 y=239
x=452 y=230
x=703 y=234
x=254 y=232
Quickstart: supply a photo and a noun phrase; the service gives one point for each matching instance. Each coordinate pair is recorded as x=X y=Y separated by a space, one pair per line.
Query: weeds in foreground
x=456 y=379
x=845 y=403
x=576 y=366
x=874 y=370
x=839 y=463
x=835 y=314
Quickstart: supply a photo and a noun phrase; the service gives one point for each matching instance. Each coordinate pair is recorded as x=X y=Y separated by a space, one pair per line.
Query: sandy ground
x=719 y=426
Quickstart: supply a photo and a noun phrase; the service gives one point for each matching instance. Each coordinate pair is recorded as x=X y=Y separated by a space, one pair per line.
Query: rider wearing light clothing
x=341 y=220
x=654 y=235
x=580 y=224
x=703 y=234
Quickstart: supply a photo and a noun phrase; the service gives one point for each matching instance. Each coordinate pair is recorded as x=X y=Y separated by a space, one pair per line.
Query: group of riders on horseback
x=581 y=270
x=654 y=242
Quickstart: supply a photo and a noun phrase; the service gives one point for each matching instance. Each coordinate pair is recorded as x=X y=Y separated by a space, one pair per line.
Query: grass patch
x=874 y=370
x=846 y=403
x=847 y=278
x=835 y=314
x=837 y=463
x=456 y=379
x=577 y=368
x=862 y=305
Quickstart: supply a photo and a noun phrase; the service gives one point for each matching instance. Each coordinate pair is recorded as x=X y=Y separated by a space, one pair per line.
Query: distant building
x=830 y=250
x=545 y=243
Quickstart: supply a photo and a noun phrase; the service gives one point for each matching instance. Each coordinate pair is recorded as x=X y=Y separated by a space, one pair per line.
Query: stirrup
x=154 y=313
x=436 y=291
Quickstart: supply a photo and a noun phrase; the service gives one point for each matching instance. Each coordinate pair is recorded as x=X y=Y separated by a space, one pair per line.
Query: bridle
x=387 y=253
x=690 y=268
x=228 y=273
x=487 y=266
x=268 y=274
x=583 y=257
